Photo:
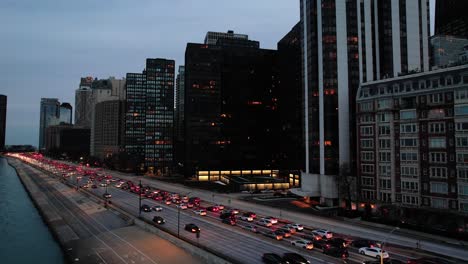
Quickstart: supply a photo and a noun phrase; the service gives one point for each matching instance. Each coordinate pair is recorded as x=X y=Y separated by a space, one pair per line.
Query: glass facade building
x=49 y=115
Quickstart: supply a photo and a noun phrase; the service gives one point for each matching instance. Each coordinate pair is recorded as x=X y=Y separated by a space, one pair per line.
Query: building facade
x=231 y=109
x=83 y=103
x=179 y=117
x=345 y=43
x=3 y=112
x=211 y=38
x=66 y=112
x=447 y=50
x=413 y=140
x=108 y=128
x=451 y=18
x=49 y=116
x=149 y=116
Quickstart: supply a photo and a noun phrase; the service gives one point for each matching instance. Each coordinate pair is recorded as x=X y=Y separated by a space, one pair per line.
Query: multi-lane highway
x=246 y=246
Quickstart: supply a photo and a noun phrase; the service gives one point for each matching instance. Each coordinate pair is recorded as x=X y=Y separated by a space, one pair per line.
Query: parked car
x=303 y=244
x=364 y=243
x=159 y=220
x=373 y=252
x=272 y=258
x=323 y=233
x=251 y=228
x=145 y=208
x=273 y=235
x=192 y=228
x=157 y=208
x=336 y=252
x=200 y=212
x=294 y=258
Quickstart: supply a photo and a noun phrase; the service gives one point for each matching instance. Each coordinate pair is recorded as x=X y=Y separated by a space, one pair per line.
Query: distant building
x=49 y=116
x=66 y=111
x=451 y=18
x=149 y=118
x=211 y=38
x=3 y=111
x=413 y=141
x=108 y=128
x=83 y=103
x=67 y=140
x=179 y=116
x=447 y=50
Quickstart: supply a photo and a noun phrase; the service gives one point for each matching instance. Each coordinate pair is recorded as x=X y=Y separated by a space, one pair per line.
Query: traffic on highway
x=242 y=235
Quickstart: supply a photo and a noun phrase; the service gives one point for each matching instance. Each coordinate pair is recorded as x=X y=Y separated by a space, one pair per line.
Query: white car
x=322 y=233
x=246 y=217
x=220 y=206
x=271 y=219
x=182 y=206
x=157 y=208
x=103 y=184
x=303 y=244
x=200 y=212
x=298 y=227
x=264 y=222
x=373 y=252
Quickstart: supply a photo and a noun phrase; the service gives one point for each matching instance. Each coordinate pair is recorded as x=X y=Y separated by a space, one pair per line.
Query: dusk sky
x=48 y=45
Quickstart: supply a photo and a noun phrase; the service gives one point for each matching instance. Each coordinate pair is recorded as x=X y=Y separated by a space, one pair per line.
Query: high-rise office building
x=447 y=50
x=211 y=38
x=66 y=112
x=49 y=116
x=179 y=116
x=345 y=43
x=231 y=109
x=451 y=18
x=3 y=112
x=83 y=103
x=149 y=115
x=108 y=128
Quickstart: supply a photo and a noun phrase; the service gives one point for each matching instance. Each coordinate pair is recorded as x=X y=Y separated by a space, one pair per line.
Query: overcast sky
x=47 y=45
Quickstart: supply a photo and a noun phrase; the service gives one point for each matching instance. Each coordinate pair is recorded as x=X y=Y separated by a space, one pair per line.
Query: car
x=272 y=258
x=322 y=244
x=273 y=235
x=159 y=220
x=192 y=228
x=157 y=198
x=229 y=221
x=251 y=214
x=145 y=208
x=185 y=199
x=373 y=252
x=325 y=234
x=190 y=205
x=200 y=212
x=251 y=228
x=212 y=209
x=157 y=208
x=103 y=184
x=289 y=229
x=298 y=227
x=294 y=258
x=220 y=206
x=107 y=195
x=194 y=200
x=168 y=202
x=246 y=217
x=359 y=243
x=336 y=252
x=284 y=233
x=94 y=186
x=272 y=219
x=226 y=215
x=119 y=185
x=263 y=222
x=427 y=260
x=338 y=242
x=395 y=261
x=303 y=244
x=182 y=206
x=234 y=211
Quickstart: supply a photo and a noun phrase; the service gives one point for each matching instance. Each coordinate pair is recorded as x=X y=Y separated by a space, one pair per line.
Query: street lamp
x=178 y=217
x=383 y=243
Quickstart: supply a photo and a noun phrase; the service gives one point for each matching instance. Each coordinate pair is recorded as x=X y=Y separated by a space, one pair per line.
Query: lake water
x=24 y=237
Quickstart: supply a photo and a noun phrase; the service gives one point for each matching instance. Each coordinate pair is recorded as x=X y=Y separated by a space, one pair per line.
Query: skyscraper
x=179 y=116
x=108 y=128
x=231 y=109
x=451 y=18
x=66 y=111
x=49 y=115
x=83 y=103
x=345 y=43
x=212 y=37
x=150 y=115
x=3 y=111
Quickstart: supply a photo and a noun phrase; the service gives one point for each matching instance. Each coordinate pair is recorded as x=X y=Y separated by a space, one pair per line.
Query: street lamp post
x=178 y=217
x=385 y=240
